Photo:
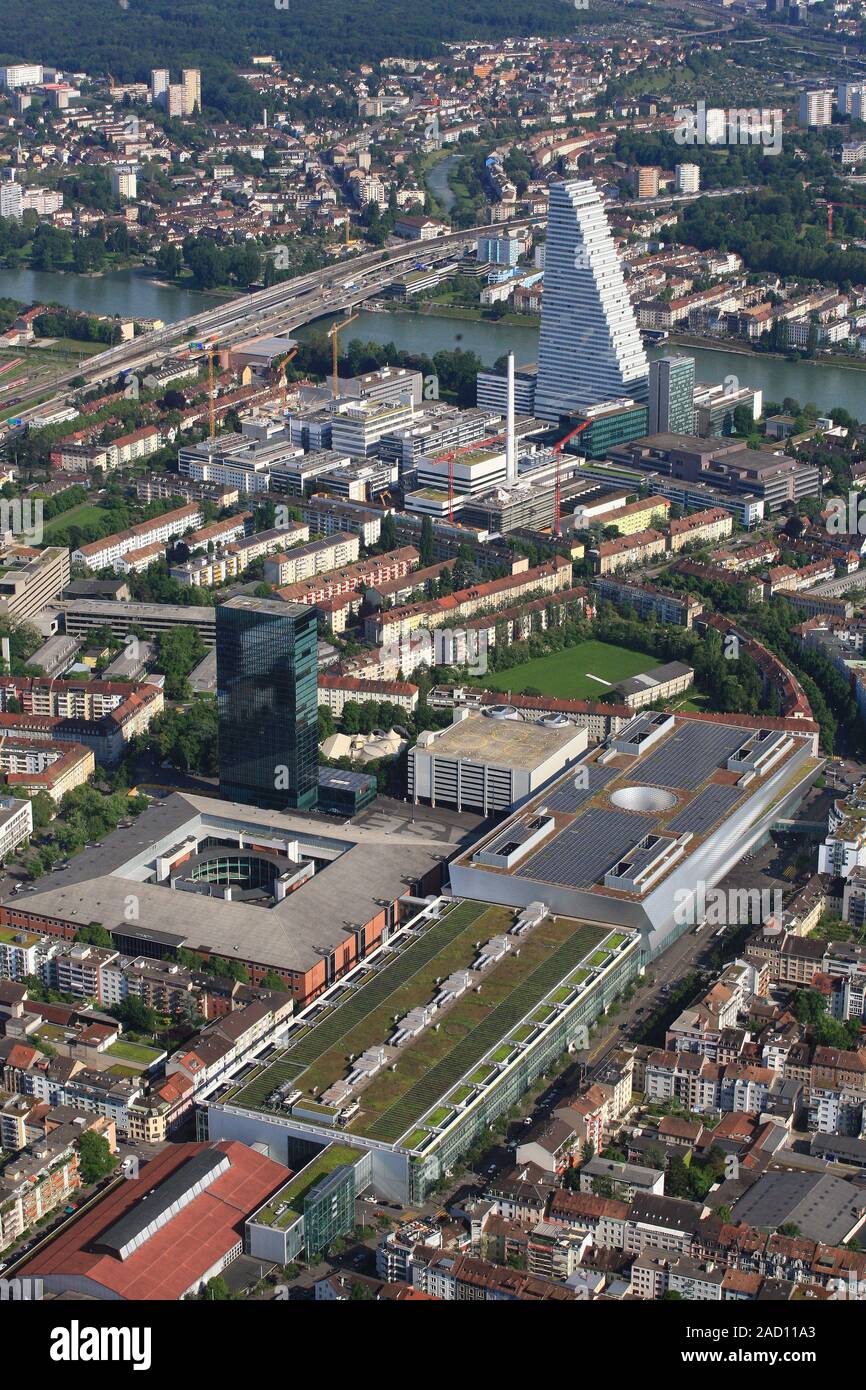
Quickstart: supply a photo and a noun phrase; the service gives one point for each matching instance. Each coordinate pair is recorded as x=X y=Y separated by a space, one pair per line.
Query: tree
x=216 y=1290
x=809 y=1007
x=95 y=1158
x=94 y=935
x=133 y=1013
x=271 y=980
x=426 y=544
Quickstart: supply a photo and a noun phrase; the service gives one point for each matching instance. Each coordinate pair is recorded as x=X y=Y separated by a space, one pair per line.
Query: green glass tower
x=267 y=702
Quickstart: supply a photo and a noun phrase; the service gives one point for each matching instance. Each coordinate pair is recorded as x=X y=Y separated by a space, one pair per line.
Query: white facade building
x=589 y=348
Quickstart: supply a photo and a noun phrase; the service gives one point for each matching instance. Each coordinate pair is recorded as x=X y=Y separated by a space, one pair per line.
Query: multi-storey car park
x=415 y=1054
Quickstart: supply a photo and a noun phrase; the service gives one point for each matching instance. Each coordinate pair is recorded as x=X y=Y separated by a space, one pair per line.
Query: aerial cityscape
x=433 y=661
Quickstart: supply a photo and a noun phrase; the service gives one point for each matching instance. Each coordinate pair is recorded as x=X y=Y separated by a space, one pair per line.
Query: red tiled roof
x=185 y=1248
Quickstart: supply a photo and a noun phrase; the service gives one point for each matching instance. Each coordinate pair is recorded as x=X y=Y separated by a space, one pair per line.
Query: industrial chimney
x=510 y=450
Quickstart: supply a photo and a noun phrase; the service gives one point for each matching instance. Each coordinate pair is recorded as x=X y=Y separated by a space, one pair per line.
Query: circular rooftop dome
x=643 y=799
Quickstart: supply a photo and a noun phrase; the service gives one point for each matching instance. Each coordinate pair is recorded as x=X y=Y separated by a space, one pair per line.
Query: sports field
x=583 y=672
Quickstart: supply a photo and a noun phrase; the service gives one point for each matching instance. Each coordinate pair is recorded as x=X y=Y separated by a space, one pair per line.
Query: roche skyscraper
x=267 y=702
x=589 y=348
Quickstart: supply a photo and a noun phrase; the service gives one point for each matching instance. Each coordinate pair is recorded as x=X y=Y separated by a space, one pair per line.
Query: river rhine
x=133 y=292
x=827 y=386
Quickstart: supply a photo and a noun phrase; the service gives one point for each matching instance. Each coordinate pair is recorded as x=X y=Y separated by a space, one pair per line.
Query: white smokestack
x=510 y=451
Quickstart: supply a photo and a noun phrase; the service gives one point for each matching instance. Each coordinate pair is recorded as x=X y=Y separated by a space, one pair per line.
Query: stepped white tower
x=589 y=348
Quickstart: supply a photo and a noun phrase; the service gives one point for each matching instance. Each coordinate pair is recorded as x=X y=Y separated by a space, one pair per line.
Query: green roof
x=296 y=1189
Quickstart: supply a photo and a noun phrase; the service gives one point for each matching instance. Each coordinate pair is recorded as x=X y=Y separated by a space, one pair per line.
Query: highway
x=285 y=307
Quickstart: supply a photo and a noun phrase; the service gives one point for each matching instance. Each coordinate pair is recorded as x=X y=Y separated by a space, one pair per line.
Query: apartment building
x=288 y=567
x=140 y=444
x=81 y=970
x=334 y=691
x=626 y=551
x=639 y=516
x=107 y=552
x=660 y=605
x=23 y=953
x=219 y=533
x=327 y=515
x=706 y=526
x=16 y=824
x=25 y=591
x=31 y=766
x=397 y=623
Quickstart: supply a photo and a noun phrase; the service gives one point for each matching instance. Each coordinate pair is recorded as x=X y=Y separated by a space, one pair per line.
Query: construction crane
x=831 y=207
x=210 y=347
x=452 y=454
x=557 y=450
x=281 y=375
x=333 y=333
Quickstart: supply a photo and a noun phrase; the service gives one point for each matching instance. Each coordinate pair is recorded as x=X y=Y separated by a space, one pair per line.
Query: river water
x=827 y=386
x=134 y=292
x=126 y=292
x=437 y=181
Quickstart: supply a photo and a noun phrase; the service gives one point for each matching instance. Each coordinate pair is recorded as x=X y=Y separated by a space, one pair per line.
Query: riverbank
x=130 y=293
x=429 y=309
x=831 y=387
x=827 y=359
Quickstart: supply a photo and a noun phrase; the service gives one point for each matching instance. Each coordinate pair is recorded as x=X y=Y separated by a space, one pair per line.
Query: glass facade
x=535 y=1062
x=266 y=697
x=672 y=395
x=329 y=1210
x=608 y=430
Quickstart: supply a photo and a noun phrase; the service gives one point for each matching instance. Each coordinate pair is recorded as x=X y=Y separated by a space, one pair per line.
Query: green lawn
x=79 y=516
x=568 y=674
x=134 y=1052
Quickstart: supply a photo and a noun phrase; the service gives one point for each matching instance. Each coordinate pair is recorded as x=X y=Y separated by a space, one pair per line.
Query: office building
x=715 y=404
x=589 y=347
x=25 y=591
x=491 y=388
x=21 y=75
x=672 y=395
x=267 y=702
x=816 y=108
x=610 y=423
x=495 y=250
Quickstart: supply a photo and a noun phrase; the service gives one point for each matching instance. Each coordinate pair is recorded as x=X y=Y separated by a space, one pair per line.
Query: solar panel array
x=690 y=755
x=570 y=797
x=583 y=853
x=709 y=806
